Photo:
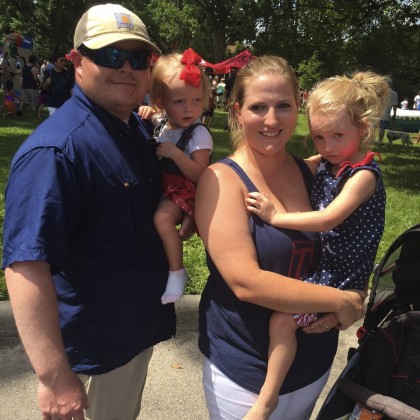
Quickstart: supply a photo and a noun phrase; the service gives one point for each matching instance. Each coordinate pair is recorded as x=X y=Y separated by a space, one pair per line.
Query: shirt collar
x=110 y=121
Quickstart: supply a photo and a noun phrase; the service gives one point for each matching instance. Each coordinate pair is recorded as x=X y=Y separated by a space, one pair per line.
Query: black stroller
x=382 y=376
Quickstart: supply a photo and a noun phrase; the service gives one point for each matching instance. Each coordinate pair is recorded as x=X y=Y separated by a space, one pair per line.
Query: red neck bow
x=191 y=74
x=365 y=161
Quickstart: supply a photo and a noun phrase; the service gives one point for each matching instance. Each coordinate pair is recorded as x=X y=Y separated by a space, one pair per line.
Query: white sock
x=175 y=286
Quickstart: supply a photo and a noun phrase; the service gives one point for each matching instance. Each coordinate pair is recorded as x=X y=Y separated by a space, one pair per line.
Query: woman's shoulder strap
x=241 y=173
x=306 y=173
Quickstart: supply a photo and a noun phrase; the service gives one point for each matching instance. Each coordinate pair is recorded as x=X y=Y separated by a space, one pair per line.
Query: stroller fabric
x=391 y=364
x=383 y=373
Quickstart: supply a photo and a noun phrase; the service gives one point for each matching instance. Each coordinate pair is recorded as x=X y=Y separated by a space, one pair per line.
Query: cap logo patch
x=124 y=21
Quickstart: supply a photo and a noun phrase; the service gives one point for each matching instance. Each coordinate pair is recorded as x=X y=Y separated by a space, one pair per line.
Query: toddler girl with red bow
x=179 y=91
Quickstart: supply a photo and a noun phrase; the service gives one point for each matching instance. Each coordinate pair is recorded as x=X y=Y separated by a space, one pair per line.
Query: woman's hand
x=353 y=309
x=344 y=319
x=322 y=325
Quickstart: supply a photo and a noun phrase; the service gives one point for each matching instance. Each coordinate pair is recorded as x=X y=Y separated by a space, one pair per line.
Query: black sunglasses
x=114 y=58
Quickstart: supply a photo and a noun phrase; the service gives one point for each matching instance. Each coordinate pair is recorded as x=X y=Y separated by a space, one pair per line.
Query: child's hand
x=188 y=227
x=167 y=150
x=261 y=205
x=146 y=112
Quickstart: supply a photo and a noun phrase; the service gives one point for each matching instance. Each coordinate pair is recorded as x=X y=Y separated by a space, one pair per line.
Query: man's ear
x=76 y=58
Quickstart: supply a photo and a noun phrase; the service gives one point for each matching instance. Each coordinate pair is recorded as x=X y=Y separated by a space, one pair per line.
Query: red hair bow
x=191 y=74
x=366 y=160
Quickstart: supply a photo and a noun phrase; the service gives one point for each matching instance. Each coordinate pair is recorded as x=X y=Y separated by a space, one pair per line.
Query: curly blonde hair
x=264 y=65
x=167 y=68
x=363 y=95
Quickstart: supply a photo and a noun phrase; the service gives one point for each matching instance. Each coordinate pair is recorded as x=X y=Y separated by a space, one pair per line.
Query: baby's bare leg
x=166 y=218
x=281 y=353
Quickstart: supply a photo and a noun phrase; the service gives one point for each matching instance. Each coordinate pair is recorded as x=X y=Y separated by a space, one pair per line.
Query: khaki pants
x=117 y=395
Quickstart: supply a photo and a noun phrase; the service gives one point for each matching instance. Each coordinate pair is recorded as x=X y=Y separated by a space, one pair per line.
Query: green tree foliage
x=382 y=35
x=222 y=23
x=389 y=43
x=337 y=35
x=51 y=23
x=172 y=25
x=309 y=71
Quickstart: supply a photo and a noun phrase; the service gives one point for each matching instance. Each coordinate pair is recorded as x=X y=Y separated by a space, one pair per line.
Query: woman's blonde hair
x=168 y=67
x=264 y=65
x=363 y=95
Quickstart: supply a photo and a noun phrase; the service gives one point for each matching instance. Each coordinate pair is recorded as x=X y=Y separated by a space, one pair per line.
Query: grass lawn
x=400 y=166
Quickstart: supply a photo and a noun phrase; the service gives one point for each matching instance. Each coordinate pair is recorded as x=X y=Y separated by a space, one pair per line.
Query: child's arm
x=15 y=97
x=313 y=162
x=356 y=191
x=190 y=167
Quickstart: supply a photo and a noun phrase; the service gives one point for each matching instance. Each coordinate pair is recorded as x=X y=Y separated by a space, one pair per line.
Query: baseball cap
x=106 y=24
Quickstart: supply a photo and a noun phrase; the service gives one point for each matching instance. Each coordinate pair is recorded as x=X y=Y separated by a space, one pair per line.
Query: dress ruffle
x=181 y=191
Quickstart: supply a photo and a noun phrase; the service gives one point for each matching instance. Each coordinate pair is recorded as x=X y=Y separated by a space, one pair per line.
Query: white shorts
x=228 y=401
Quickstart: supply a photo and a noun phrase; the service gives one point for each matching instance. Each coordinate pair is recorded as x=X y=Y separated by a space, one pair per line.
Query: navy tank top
x=234 y=334
x=28 y=81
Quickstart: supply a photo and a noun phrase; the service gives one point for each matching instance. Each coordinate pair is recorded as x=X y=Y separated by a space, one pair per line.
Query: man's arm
x=34 y=72
x=394 y=104
x=394 y=111
x=33 y=298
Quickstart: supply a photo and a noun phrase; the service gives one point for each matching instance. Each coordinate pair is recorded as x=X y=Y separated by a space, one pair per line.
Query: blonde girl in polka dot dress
x=348 y=196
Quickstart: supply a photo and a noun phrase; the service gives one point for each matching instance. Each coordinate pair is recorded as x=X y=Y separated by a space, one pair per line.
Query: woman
x=253 y=265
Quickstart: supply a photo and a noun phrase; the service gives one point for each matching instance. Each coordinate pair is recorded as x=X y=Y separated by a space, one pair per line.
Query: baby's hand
x=146 y=112
x=167 y=150
x=261 y=205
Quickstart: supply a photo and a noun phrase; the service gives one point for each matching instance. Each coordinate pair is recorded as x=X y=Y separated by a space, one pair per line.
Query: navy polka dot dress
x=349 y=250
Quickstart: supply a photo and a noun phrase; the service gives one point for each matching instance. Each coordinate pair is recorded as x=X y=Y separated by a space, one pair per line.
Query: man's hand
x=65 y=399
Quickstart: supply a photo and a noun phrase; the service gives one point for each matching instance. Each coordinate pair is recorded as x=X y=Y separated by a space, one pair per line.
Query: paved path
x=173 y=389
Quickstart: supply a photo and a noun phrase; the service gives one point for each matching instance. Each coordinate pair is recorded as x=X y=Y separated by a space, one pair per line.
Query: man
x=386 y=118
x=43 y=68
x=85 y=267
x=208 y=113
x=417 y=102
x=30 y=92
x=230 y=83
x=58 y=84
